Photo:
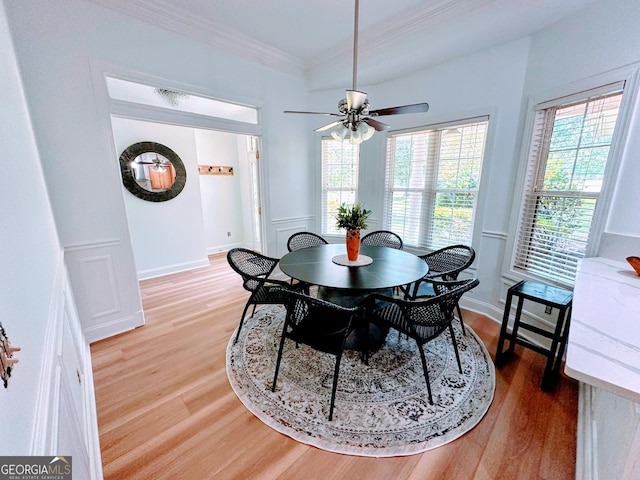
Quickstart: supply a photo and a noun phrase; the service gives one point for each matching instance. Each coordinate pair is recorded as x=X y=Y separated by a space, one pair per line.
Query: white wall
x=177 y=235
x=30 y=256
x=166 y=236
x=487 y=83
x=601 y=38
x=500 y=82
x=222 y=195
x=63 y=48
x=58 y=44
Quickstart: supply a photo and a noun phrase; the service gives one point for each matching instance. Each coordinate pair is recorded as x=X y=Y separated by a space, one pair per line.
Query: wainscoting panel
x=100 y=289
x=284 y=228
x=105 y=287
x=67 y=419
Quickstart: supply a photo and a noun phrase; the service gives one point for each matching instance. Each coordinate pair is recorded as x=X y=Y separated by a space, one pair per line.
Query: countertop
x=603 y=348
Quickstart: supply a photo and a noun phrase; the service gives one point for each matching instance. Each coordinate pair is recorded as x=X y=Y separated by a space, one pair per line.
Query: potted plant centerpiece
x=352 y=218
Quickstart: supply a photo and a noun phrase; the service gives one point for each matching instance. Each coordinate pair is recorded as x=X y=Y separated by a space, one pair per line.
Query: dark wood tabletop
x=390 y=267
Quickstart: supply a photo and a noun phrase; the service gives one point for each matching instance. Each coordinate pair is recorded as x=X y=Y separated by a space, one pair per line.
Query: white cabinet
x=603 y=353
x=608 y=436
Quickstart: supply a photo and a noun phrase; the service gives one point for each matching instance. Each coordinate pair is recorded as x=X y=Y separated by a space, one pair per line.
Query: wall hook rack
x=215 y=170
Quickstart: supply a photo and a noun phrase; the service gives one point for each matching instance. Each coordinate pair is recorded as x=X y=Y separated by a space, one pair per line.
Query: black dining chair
x=444 y=264
x=255 y=268
x=424 y=318
x=321 y=325
x=382 y=238
x=304 y=240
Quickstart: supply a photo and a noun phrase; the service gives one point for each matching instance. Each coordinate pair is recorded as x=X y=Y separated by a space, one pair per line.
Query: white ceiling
x=315 y=38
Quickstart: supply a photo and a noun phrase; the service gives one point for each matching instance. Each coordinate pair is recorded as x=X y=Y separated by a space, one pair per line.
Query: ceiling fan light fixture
x=339 y=132
x=356 y=133
x=367 y=131
x=355 y=137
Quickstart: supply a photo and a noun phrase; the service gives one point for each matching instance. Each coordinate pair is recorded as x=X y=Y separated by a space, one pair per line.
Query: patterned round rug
x=381 y=409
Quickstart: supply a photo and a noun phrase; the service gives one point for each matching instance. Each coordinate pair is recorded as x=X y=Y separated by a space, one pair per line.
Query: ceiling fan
x=357 y=123
x=159 y=165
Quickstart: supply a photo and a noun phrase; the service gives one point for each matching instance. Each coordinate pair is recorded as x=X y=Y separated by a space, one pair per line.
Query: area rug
x=381 y=409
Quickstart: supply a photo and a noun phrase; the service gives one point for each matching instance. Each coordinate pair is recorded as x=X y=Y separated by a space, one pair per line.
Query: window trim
x=480 y=201
x=630 y=77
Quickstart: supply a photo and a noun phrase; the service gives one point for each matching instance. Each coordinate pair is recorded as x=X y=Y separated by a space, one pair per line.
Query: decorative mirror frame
x=129 y=181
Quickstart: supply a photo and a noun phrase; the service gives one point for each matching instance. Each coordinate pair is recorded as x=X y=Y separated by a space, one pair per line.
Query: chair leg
x=455 y=346
x=244 y=312
x=460 y=318
x=335 y=385
x=426 y=372
x=275 y=375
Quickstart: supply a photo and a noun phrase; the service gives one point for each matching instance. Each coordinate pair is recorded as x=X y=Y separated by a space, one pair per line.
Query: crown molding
x=164 y=15
x=385 y=37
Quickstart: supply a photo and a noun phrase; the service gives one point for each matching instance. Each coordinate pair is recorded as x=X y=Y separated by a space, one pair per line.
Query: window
x=432 y=182
x=339 y=180
x=162 y=97
x=567 y=162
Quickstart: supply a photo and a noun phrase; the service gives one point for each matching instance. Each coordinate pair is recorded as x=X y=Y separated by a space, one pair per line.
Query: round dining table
x=389 y=267
x=378 y=270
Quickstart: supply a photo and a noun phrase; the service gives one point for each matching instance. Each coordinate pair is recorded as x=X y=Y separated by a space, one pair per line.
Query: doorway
x=212 y=214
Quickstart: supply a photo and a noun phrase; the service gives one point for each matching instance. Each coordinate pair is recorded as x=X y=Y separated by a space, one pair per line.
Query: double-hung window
x=339 y=180
x=567 y=162
x=432 y=181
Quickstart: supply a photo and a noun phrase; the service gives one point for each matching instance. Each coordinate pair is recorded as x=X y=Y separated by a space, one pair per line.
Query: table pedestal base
x=358 y=339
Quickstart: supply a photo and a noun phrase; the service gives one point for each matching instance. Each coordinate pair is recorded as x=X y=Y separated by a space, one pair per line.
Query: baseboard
x=109 y=329
x=482 y=308
x=494 y=313
x=224 y=248
x=166 y=270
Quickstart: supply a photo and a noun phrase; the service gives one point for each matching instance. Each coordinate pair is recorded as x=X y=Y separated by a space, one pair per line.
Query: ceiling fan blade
x=313 y=113
x=328 y=126
x=379 y=126
x=414 y=108
x=355 y=99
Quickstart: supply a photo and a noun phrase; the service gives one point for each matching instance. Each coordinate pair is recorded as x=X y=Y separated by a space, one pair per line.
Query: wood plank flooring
x=166 y=410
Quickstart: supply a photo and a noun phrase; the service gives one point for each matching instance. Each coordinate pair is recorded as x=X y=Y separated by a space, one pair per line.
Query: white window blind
x=567 y=161
x=432 y=182
x=339 y=180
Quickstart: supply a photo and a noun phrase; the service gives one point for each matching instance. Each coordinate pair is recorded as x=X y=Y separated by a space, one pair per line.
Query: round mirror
x=152 y=171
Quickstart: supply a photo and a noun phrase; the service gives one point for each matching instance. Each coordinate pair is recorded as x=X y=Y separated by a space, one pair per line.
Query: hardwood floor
x=166 y=410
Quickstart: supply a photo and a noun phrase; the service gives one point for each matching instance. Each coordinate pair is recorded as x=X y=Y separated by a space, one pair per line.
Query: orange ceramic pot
x=353 y=244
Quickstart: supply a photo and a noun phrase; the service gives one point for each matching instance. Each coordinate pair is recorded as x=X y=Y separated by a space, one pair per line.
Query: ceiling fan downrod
x=355 y=45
